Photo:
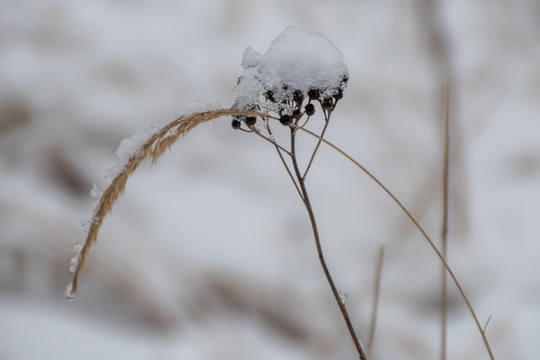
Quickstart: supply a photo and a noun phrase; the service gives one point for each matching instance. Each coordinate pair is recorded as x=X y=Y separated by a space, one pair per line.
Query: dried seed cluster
x=291 y=106
x=300 y=70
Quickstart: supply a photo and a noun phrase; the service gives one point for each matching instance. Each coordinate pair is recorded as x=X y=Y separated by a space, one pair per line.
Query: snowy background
x=208 y=254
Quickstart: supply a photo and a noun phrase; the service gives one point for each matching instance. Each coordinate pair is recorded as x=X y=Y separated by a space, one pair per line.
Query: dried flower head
x=298 y=64
x=310 y=109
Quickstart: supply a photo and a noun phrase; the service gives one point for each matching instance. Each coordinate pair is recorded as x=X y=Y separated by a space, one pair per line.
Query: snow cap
x=296 y=62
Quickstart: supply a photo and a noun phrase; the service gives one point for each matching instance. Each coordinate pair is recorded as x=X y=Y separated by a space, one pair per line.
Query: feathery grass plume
x=156 y=144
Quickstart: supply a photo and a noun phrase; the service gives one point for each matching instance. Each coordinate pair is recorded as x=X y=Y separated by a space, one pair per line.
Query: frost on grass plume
x=129 y=148
x=190 y=107
x=297 y=64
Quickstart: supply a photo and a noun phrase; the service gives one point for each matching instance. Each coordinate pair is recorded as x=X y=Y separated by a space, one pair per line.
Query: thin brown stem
x=309 y=208
x=272 y=141
x=422 y=231
x=374 y=311
x=287 y=168
x=327 y=121
x=444 y=231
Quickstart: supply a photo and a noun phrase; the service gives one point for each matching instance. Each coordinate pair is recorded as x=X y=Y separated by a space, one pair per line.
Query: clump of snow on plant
x=296 y=62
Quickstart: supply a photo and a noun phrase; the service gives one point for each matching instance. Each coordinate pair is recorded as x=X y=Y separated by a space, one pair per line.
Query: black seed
x=251 y=120
x=298 y=97
x=327 y=103
x=296 y=114
x=339 y=94
x=236 y=124
x=310 y=109
x=269 y=95
x=285 y=119
x=314 y=94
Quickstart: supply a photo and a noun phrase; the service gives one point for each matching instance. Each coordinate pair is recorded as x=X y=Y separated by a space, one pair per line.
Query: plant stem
x=422 y=231
x=377 y=292
x=309 y=208
x=444 y=231
x=326 y=122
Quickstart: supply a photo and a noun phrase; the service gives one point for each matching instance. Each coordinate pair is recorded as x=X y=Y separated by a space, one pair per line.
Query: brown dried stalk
x=376 y=296
x=152 y=149
x=307 y=203
x=422 y=231
x=444 y=230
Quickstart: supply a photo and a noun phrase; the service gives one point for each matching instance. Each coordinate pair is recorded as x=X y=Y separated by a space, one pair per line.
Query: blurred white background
x=209 y=254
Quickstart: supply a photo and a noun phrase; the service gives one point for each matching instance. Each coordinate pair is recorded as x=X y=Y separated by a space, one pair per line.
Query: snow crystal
x=77 y=247
x=296 y=62
x=70 y=294
x=85 y=224
x=96 y=192
x=129 y=148
x=73 y=263
x=250 y=58
x=190 y=107
x=343 y=297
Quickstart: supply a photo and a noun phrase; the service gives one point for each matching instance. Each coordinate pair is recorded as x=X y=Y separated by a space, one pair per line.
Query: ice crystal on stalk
x=298 y=65
x=343 y=297
x=96 y=192
x=129 y=148
x=190 y=107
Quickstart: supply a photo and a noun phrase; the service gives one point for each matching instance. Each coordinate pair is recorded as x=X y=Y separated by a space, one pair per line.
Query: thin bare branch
x=444 y=230
x=272 y=141
x=487 y=323
x=327 y=121
x=307 y=203
x=422 y=231
x=377 y=289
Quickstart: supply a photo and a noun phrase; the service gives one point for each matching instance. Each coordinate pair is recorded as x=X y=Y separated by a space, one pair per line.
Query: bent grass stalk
x=152 y=149
x=165 y=137
x=376 y=294
x=444 y=226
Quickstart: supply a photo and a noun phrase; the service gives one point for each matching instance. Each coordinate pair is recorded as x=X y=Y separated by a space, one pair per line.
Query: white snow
x=189 y=107
x=297 y=61
x=343 y=297
x=129 y=148
x=96 y=192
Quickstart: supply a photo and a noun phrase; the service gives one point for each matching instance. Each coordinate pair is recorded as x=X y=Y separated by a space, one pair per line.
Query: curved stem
x=327 y=121
x=444 y=230
x=309 y=208
x=422 y=231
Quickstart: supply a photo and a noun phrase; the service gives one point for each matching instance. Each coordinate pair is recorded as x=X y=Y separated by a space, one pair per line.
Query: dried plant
x=300 y=77
x=152 y=149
